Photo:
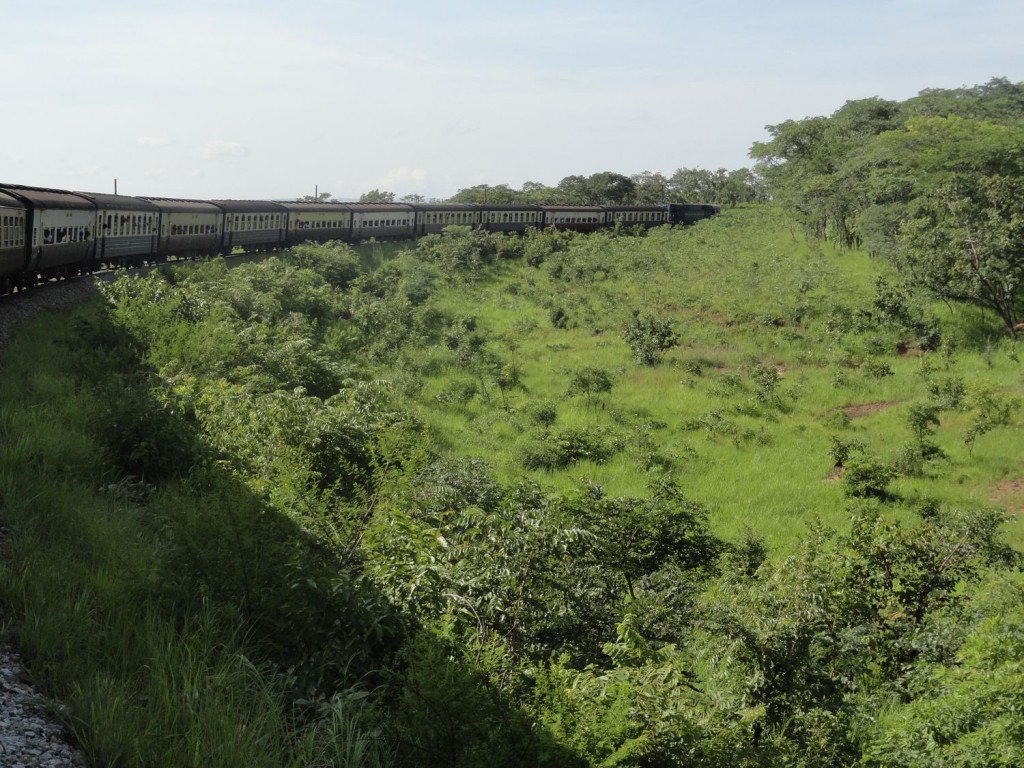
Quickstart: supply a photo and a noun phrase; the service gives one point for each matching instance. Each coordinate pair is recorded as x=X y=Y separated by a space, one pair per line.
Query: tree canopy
x=935 y=183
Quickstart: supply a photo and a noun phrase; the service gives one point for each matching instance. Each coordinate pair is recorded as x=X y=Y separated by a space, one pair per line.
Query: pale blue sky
x=232 y=98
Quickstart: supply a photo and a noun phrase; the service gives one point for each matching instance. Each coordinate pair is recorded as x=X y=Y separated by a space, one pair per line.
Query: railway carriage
x=432 y=218
x=13 y=227
x=188 y=228
x=382 y=221
x=317 y=222
x=690 y=213
x=51 y=233
x=125 y=230
x=511 y=218
x=60 y=230
x=636 y=215
x=253 y=225
x=581 y=218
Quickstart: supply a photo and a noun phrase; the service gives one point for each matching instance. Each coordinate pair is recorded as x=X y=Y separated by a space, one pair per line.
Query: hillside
x=706 y=496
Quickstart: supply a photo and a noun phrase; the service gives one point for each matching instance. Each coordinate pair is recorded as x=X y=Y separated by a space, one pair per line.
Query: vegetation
x=935 y=183
x=723 y=495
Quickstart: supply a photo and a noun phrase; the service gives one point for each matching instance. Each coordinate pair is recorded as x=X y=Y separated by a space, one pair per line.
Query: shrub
x=591 y=382
x=649 y=337
x=867 y=477
x=568 y=447
x=876 y=369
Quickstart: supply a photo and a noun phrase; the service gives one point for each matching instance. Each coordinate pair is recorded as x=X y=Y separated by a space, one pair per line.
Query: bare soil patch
x=1009 y=494
x=866 y=409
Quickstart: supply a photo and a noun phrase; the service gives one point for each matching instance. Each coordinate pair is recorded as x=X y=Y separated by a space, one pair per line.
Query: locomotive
x=52 y=233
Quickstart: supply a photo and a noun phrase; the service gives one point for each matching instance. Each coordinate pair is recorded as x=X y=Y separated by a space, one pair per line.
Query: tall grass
x=147 y=676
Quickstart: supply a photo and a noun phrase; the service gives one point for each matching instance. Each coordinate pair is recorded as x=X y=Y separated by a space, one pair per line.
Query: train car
x=582 y=218
x=432 y=218
x=189 y=229
x=690 y=213
x=253 y=225
x=317 y=222
x=382 y=220
x=13 y=242
x=60 y=231
x=511 y=218
x=630 y=216
x=125 y=230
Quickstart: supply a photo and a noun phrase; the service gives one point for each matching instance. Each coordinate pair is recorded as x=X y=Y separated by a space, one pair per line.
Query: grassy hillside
x=707 y=496
x=745 y=293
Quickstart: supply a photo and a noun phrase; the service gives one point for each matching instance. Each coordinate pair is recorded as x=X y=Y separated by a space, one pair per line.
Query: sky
x=249 y=99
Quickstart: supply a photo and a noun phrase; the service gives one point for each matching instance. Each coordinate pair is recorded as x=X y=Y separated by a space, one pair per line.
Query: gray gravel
x=29 y=736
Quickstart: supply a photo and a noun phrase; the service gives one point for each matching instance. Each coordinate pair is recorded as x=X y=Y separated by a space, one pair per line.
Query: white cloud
x=403 y=180
x=153 y=141
x=217 y=149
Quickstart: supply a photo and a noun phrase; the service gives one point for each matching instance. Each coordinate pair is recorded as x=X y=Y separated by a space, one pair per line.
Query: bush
x=867 y=477
x=568 y=447
x=649 y=337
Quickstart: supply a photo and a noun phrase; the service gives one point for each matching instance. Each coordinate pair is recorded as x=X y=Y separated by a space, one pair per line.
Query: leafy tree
x=591 y=382
x=650 y=188
x=377 y=196
x=966 y=243
x=572 y=190
x=607 y=187
x=322 y=197
x=965 y=712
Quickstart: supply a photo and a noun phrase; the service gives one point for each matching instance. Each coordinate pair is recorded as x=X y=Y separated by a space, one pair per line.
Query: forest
x=744 y=493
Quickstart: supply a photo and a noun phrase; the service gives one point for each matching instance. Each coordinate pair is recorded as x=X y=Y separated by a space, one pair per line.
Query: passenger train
x=51 y=233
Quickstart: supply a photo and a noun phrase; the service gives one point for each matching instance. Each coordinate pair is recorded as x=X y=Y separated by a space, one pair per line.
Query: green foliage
x=591 y=382
x=448 y=717
x=965 y=713
x=935 y=183
x=876 y=369
x=839 y=620
x=649 y=337
x=377 y=196
x=460 y=253
x=989 y=408
x=355 y=502
x=866 y=477
x=337 y=263
x=568 y=447
x=766 y=380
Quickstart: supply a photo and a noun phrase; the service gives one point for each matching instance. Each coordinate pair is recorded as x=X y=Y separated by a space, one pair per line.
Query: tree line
x=686 y=185
x=934 y=183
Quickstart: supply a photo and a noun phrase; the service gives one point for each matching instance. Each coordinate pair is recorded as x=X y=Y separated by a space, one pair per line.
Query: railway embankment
x=29 y=735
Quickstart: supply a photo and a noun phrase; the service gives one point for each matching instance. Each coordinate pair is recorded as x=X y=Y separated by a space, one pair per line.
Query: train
x=48 y=234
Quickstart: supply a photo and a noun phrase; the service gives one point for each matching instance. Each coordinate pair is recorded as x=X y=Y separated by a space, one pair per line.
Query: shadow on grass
x=180 y=616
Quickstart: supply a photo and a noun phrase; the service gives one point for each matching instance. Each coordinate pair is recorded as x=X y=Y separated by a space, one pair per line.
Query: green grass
x=147 y=675
x=742 y=289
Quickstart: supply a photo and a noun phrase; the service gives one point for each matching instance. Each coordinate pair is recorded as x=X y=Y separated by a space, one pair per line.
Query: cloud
x=216 y=149
x=403 y=179
x=152 y=141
